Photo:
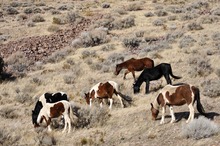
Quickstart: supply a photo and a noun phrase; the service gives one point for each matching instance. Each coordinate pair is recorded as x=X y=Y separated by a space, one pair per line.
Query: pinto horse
x=47 y=98
x=155 y=73
x=54 y=110
x=103 y=91
x=134 y=65
x=177 y=95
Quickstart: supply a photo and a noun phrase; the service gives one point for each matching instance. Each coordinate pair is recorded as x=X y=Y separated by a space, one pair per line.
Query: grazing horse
x=155 y=73
x=54 y=110
x=103 y=91
x=177 y=95
x=134 y=65
x=47 y=98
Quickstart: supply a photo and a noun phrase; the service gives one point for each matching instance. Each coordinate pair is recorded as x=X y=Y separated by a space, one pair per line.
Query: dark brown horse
x=134 y=65
x=177 y=95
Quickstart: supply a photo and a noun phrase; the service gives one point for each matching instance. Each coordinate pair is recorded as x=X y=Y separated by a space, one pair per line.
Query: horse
x=47 y=98
x=177 y=95
x=155 y=73
x=54 y=110
x=103 y=91
x=134 y=65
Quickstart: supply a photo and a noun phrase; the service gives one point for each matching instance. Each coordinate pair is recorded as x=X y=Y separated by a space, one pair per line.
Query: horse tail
x=197 y=98
x=172 y=75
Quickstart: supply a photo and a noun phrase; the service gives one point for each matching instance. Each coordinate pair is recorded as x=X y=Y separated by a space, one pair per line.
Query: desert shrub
x=36 y=80
x=58 y=20
x=216 y=11
x=209 y=19
x=45 y=138
x=134 y=7
x=8 y=113
x=92 y=117
x=89 y=54
x=94 y=37
x=38 y=18
x=194 y=26
x=15 y=4
x=139 y=33
x=186 y=42
x=12 y=11
x=120 y=11
x=18 y=64
x=175 y=9
x=55 y=12
x=108 y=47
x=216 y=36
x=158 y=22
x=58 y=56
x=53 y=28
x=30 y=24
x=200 y=128
x=158 y=45
x=199 y=66
x=6 y=137
x=148 y=14
x=40 y=4
x=63 y=7
x=23 y=97
x=172 y=36
x=172 y=17
x=211 y=87
x=105 y=5
x=37 y=10
x=199 y=4
x=96 y=66
x=73 y=17
x=115 y=58
x=28 y=10
x=188 y=16
x=21 y=17
x=69 y=78
x=217 y=72
x=131 y=42
x=161 y=13
x=48 y=8
x=124 y=23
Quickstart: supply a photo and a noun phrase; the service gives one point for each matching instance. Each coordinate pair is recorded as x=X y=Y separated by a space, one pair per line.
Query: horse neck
x=139 y=81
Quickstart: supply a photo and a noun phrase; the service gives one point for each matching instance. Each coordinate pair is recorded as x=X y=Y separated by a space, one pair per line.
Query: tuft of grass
x=38 y=18
x=211 y=88
x=53 y=28
x=200 y=128
x=186 y=42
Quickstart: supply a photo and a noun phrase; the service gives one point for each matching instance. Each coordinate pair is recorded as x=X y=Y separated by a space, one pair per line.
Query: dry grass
x=167 y=32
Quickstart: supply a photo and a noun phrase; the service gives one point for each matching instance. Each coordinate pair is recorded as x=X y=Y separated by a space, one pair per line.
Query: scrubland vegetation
x=184 y=33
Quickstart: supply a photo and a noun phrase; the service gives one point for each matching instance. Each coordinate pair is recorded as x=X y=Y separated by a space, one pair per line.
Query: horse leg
x=191 y=113
x=100 y=102
x=133 y=74
x=69 y=123
x=163 y=115
x=111 y=101
x=173 y=119
x=126 y=72
x=147 y=87
x=167 y=77
x=90 y=102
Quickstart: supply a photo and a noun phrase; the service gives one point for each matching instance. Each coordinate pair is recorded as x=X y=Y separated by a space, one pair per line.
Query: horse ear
x=151 y=105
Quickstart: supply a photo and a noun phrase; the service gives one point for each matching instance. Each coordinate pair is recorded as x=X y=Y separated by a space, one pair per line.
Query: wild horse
x=177 y=95
x=155 y=73
x=134 y=65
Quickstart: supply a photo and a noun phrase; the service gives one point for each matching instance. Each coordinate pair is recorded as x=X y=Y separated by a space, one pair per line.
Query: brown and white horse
x=177 y=95
x=134 y=65
x=55 y=110
x=103 y=91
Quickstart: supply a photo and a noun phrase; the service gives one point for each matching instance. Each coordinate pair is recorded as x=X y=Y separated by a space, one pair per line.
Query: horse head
x=117 y=69
x=136 y=88
x=87 y=97
x=154 y=112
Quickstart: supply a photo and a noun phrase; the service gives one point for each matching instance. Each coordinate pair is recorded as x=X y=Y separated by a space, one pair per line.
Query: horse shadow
x=6 y=77
x=127 y=100
x=184 y=115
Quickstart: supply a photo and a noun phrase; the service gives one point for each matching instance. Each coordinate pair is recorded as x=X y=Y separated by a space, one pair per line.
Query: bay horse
x=134 y=65
x=47 y=98
x=155 y=73
x=177 y=95
x=55 y=110
x=103 y=91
